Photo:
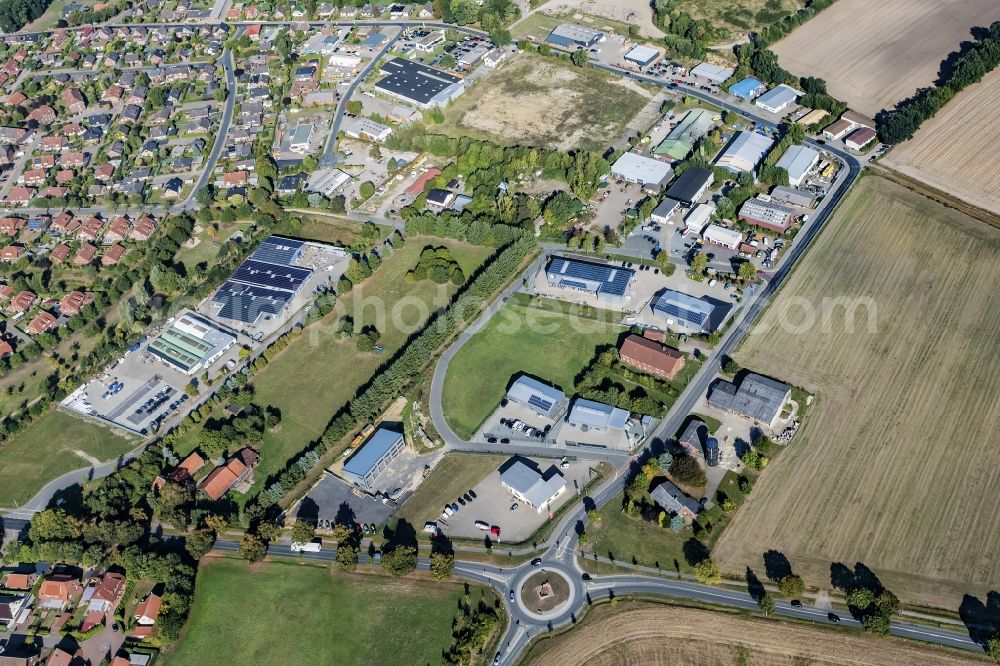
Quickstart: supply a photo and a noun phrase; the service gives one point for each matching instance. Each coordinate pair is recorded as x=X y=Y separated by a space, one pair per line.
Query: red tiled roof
x=652 y=356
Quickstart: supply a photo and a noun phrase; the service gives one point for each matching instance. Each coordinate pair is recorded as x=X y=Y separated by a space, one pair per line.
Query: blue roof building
x=374 y=456
x=606 y=282
x=748 y=88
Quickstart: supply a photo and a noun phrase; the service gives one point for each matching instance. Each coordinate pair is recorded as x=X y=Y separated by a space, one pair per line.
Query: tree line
x=960 y=69
x=15 y=14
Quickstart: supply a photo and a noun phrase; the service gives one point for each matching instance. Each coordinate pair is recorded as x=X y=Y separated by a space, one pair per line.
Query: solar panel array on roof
x=540 y=403
x=276 y=250
x=275 y=276
x=687 y=309
x=245 y=302
x=589 y=276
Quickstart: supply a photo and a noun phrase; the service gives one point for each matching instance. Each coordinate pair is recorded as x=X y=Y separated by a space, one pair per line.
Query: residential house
x=673 y=500
x=20 y=196
x=11 y=253
x=59 y=591
x=43 y=114
x=20 y=581
x=117 y=230
x=11 y=608
x=73 y=302
x=59 y=254
x=143 y=228
x=74 y=100
x=758 y=398
x=148 y=610
x=11 y=226
x=85 y=255
x=112 y=255
x=42 y=323
x=232 y=473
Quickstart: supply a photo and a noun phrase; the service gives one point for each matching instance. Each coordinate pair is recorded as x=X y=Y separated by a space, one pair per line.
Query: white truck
x=308 y=547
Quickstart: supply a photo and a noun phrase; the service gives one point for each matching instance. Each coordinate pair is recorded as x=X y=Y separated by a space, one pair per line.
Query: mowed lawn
x=318 y=373
x=48 y=449
x=538 y=101
x=550 y=346
x=285 y=613
x=456 y=474
x=897 y=462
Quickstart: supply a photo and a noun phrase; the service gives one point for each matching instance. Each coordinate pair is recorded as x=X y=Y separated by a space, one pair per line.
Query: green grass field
x=284 y=613
x=327 y=229
x=45 y=451
x=319 y=373
x=454 y=475
x=551 y=346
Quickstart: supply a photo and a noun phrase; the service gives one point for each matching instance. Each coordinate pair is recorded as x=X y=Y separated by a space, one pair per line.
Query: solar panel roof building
x=419 y=84
x=545 y=400
x=606 y=282
x=278 y=250
x=374 y=456
x=684 y=311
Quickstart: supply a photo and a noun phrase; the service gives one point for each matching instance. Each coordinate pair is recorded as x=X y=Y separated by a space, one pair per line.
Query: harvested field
x=946 y=151
x=873 y=54
x=539 y=101
x=892 y=466
x=640 y=633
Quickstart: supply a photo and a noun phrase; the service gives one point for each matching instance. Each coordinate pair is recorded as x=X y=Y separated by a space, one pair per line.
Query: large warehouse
x=797 y=161
x=778 y=98
x=691 y=185
x=570 y=35
x=643 y=170
x=713 y=73
x=745 y=152
x=263 y=284
x=419 y=84
x=374 y=456
x=680 y=142
x=606 y=282
x=688 y=314
x=192 y=343
x=768 y=214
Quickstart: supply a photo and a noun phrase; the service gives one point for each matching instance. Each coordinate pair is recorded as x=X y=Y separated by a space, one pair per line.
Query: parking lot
x=500 y=425
x=493 y=504
x=333 y=500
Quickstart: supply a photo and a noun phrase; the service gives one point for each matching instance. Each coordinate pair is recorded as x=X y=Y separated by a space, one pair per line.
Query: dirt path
x=86 y=456
x=637 y=12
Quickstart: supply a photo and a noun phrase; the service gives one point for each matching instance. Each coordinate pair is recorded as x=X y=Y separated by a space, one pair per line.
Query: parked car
x=513 y=507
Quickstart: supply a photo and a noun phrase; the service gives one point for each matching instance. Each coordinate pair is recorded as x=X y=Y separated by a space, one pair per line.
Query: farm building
x=691 y=185
x=661 y=214
x=192 y=343
x=680 y=142
x=698 y=217
x=373 y=456
x=838 y=129
x=530 y=486
x=797 y=161
x=758 y=398
x=713 y=73
x=419 y=84
x=859 y=138
x=687 y=313
x=646 y=171
x=642 y=55
x=792 y=196
x=570 y=35
x=778 y=98
x=608 y=283
x=723 y=236
x=591 y=415
x=767 y=214
x=744 y=152
x=670 y=497
x=691 y=439
x=651 y=357
x=545 y=400
x=747 y=88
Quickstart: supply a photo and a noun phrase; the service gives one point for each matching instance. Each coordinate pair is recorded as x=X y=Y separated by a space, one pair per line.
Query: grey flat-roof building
x=792 y=196
x=797 y=161
x=662 y=213
x=646 y=171
x=776 y=99
x=374 y=456
x=592 y=415
x=606 y=282
x=566 y=35
x=531 y=486
x=642 y=55
x=419 y=84
x=758 y=398
x=544 y=400
x=673 y=500
x=691 y=185
x=689 y=314
x=745 y=152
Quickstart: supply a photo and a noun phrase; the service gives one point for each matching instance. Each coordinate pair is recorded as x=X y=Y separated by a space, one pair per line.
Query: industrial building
x=722 y=236
x=802 y=198
x=860 y=138
x=327 y=181
x=747 y=88
x=592 y=415
x=263 y=284
x=777 y=99
x=661 y=214
x=744 y=152
x=758 y=398
x=681 y=140
x=530 y=486
x=698 y=218
x=688 y=314
x=813 y=117
x=192 y=343
x=299 y=142
x=768 y=214
x=606 y=282
x=645 y=171
x=798 y=161
x=544 y=400
x=838 y=129
x=419 y=84
x=358 y=127
x=691 y=185
x=670 y=497
x=642 y=55
x=373 y=456
x=713 y=73
x=651 y=357
x=570 y=35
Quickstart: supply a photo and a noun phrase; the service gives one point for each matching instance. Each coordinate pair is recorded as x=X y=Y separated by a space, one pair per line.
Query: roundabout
x=546 y=593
